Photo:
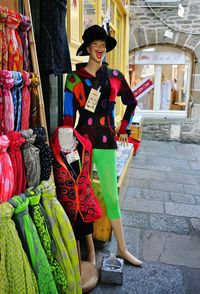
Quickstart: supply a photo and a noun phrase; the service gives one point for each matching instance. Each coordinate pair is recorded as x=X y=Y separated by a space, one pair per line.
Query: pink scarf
x=7 y=81
x=6 y=171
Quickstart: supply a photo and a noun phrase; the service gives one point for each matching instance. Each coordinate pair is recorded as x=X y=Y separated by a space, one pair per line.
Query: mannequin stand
x=89 y=276
x=89 y=273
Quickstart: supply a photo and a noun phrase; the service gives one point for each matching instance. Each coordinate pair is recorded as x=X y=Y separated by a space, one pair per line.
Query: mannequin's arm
x=69 y=109
x=129 y=100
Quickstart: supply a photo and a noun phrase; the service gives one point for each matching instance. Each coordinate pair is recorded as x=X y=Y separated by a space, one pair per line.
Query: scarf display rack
x=79 y=274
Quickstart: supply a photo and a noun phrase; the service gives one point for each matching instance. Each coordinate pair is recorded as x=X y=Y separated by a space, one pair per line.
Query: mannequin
x=92 y=90
x=166 y=88
x=72 y=169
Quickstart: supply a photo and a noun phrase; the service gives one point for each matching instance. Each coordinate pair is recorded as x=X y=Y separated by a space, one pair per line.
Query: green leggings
x=105 y=161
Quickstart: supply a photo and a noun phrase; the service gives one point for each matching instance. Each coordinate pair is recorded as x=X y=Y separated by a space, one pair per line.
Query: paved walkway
x=161 y=216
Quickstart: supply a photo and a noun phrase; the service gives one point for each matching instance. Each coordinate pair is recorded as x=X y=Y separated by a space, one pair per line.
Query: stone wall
x=147 y=27
x=186 y=131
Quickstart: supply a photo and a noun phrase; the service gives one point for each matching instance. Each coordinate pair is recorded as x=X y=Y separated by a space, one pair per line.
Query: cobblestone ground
x=161 y=217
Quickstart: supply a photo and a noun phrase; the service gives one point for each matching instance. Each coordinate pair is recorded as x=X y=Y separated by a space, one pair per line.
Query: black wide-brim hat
x=93 y=33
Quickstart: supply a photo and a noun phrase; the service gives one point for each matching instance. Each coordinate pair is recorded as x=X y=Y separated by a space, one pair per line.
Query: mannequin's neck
x=66 y=139
x=92 y=66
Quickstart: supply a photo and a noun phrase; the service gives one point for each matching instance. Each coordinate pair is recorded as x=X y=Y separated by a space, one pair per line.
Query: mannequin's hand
x=123 y=139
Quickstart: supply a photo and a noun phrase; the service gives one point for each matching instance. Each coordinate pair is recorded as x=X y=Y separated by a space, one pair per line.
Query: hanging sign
x=142 y=88
x=159 y=57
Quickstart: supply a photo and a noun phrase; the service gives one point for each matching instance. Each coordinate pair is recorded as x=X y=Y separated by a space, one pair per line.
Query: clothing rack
x=32 y=46
x=14 y=4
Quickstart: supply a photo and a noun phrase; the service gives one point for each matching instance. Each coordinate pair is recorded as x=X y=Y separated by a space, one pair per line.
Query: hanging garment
x=3 y=38
x=17 y=98
x=35 y=119
x=66 y=250
x=26 y=101
x=31 y=157
x=46 y=155
x=23 y=29
x=15 y=52
x=36 y=213
x=8 y=116
x=166 y=88
x=75 y=195
x=16 y=273
x=16 y=141
x=6 y=171
x=32 y=245
x=55 y=55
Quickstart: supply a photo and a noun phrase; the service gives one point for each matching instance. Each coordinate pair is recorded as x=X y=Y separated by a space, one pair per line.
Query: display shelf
x=102 y=227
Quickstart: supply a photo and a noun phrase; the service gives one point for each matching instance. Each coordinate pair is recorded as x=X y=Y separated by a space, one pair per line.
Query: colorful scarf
x=37 y=214
x=66 y=250
x=23 y=29
x=26 y=101
x=3 y=38
x=31 y=242
x=6 y=171
x=15 y=52
x=16 y=140
x=7 y=83
x=17 y=98
x=16 y=273
x=35 y=119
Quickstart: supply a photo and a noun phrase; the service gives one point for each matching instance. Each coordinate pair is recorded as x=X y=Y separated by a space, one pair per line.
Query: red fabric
x=3 y=38
x=6 y=171
x=7 y=83
x=75 y=195
x=2 y=124
x=15 y=52
x=16 y=140
x=135 y=143
x=26 y=101
x=68 y=121
x=122 y=130
x=116 y=84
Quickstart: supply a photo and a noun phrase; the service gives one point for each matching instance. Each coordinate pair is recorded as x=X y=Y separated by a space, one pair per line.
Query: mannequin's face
x=97 y=50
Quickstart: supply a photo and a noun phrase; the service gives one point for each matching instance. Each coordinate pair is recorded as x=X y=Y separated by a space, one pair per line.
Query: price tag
x=92 y=100
x=72 y=156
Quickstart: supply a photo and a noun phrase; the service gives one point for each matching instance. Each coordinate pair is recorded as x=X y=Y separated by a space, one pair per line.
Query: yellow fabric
x=16 y=275
x=66 y=250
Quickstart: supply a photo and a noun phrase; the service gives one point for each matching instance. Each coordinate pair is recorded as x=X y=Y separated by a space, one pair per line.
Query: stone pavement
x=161 y=217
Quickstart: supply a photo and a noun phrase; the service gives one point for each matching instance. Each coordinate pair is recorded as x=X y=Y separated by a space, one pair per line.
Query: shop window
x=112 y=11
x=118 y=38
x=169 y=69
x=90 y=14
x=104 y=6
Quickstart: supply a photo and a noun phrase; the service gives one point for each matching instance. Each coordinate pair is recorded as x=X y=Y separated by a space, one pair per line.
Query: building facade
x=164 y=47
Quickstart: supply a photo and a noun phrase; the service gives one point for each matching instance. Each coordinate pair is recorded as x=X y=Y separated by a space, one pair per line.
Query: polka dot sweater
x=97 y=126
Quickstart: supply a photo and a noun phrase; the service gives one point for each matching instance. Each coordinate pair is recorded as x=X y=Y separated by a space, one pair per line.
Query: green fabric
x=38 y=259
x=41 y=226
x=71 y=84
x=105 y=161
x=16 y=275
x=66 y=250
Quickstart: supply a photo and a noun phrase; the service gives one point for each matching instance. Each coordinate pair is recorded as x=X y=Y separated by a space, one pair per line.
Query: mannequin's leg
x=90 y=249
x=122 y=250
x=79 y=253
x=105 y=161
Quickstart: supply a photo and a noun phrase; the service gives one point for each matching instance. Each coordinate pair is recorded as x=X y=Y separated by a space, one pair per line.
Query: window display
x=169 y=69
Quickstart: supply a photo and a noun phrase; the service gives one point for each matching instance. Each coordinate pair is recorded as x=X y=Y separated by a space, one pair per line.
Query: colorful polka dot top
x=97 y=126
